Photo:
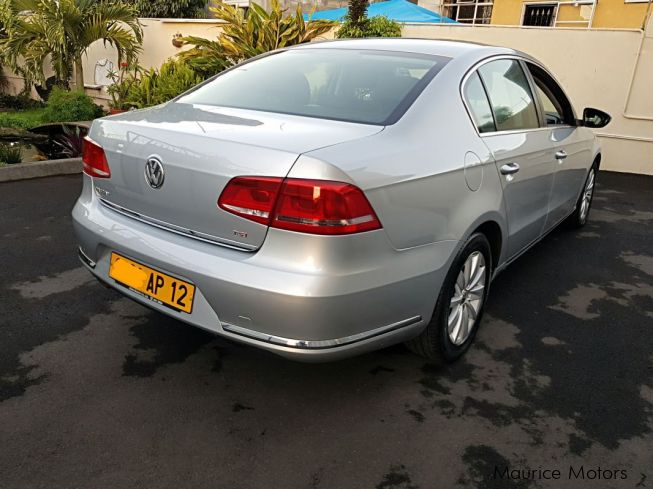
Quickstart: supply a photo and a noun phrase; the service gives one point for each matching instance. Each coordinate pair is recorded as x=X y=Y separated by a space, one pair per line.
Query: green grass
x=22 y=119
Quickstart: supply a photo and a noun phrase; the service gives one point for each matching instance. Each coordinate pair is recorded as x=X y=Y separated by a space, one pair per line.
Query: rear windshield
x=369 y=87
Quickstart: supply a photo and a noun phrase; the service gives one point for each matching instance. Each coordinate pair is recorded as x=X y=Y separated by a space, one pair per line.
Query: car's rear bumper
x=302 y=296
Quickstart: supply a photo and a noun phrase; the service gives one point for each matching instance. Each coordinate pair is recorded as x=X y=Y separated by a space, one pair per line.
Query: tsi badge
x=154 y=174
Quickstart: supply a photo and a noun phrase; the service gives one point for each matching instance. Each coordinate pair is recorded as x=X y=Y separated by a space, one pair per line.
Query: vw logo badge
x=154 y=174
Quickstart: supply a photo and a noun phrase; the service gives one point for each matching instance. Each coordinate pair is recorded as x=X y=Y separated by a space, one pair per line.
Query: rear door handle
x=561 y=155
x=509 y=168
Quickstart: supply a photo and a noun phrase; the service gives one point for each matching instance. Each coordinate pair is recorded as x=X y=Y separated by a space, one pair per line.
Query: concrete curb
x=48 y=168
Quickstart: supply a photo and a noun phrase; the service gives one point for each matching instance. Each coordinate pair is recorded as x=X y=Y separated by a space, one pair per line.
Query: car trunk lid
x=199 y=149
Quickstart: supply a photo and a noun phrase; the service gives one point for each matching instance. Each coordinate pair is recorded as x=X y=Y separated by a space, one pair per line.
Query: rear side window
x=478 y=104
x=510 y=95
x=365 y=86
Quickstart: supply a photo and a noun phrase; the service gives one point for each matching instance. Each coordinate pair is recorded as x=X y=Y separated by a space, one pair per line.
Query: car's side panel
x=572 y=145
x=570 y=171
x=413 y=172
x=526 y=192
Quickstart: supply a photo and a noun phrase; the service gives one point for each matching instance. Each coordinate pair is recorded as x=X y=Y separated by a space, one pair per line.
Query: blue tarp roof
x=399 y=10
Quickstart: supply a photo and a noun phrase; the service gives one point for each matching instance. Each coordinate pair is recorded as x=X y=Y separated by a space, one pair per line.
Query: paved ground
x=99 y=392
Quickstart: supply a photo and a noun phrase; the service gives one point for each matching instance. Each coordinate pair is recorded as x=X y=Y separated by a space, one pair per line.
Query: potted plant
x=178 y=40
x=127 y=75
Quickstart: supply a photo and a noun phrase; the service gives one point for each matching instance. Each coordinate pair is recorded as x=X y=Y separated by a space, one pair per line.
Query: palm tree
x=357 y=12
x=61 y=31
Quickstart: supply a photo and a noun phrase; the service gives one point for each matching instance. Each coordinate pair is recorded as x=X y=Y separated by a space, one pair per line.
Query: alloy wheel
x=586 y=200
x=467 y=300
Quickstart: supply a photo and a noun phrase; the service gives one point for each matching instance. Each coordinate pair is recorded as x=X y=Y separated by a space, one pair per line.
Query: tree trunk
x=79 y=74
x=357 y=11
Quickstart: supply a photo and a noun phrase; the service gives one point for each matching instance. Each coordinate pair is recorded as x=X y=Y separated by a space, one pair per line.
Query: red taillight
x=308 y=206
x=251 y=197
x=323 y=207
x=94 y=159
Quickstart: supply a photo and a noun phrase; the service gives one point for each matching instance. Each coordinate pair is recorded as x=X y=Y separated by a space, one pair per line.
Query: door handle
x=561 y=155
x=509 y=168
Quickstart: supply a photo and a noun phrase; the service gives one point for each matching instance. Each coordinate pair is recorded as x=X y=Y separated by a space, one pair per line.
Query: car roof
x=450 y=49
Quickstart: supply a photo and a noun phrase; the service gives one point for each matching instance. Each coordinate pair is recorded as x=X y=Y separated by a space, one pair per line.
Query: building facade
x=625 y=14
x=629 y=14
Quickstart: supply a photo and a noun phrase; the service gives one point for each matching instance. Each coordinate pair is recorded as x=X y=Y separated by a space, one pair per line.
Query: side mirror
x=595 y=118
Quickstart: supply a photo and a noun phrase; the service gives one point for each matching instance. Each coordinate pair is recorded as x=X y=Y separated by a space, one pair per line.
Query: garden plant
x=60 y=32
x=357 y=24
x=249 y=34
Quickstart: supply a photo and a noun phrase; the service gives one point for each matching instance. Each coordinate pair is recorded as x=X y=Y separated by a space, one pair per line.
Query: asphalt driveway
x=99 y=392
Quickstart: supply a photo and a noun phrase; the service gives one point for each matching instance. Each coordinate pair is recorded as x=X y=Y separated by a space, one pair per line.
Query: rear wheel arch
x=440 y=340
x=492 y=231
x=596 y=164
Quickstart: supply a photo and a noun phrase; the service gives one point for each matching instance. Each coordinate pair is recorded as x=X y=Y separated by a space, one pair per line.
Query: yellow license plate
x=155 y=285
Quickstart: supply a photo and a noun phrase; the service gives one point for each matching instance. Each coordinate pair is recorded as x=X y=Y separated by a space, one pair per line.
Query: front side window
x=478 y=104
x=552 y=110
x=510 y=95
x=557 y=108
x=369 y=87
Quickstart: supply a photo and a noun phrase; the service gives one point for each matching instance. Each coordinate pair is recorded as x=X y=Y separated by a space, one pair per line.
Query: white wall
x=597 y=68
x=157 y=46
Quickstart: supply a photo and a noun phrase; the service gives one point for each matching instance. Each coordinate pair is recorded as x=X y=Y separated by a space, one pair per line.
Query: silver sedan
x=337 y=197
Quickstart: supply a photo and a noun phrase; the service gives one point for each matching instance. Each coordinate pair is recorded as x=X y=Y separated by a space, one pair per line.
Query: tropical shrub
x=357 y=24
x=60 y=32
x=245 y=35
x=127 y=75
x=175 y=77
x=207 y=57
x=70 y=106
x=68 y=143
x=369 y=27
x=153 y=87
x=176 y=9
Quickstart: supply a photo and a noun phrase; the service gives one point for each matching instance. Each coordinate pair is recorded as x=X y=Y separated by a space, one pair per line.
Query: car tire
x=579 y=217
x=457 y=307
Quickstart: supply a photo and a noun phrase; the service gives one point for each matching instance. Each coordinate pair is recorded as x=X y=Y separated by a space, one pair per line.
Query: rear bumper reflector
x=85 y=259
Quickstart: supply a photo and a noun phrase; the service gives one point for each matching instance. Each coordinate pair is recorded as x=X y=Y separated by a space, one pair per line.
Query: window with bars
x=540 y=15
x=469 y=11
